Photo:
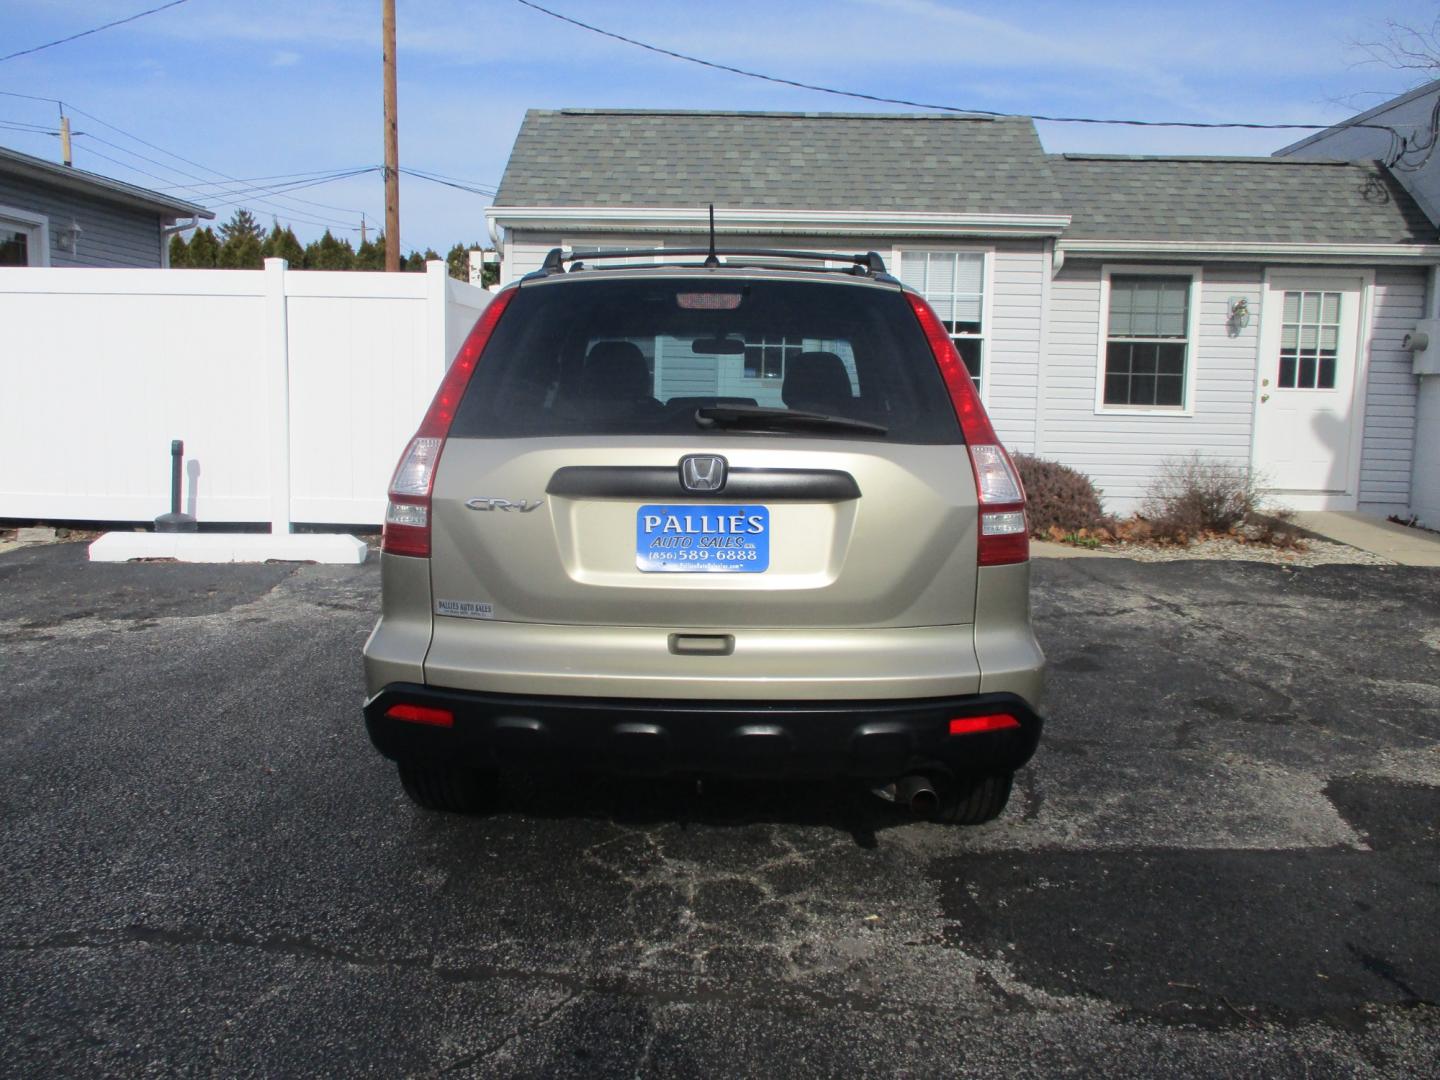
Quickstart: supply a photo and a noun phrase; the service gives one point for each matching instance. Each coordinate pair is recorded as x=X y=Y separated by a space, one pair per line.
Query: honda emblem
x=702 y=472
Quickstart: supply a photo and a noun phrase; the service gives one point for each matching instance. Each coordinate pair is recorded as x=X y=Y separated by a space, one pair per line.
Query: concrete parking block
x=337 y=548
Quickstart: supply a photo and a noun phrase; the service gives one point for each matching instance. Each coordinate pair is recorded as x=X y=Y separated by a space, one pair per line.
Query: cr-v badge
x=523 y=505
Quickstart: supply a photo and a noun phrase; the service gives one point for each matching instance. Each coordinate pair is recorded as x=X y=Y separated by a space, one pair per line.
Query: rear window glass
x=639 y=357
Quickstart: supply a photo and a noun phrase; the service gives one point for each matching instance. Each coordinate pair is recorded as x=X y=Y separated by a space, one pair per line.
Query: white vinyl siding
x=1122 y=450
x=1390 y=393
x=1020 y=271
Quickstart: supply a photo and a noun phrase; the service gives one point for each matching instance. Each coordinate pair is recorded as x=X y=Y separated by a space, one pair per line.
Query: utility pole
x=392 y=141
x=364 y=237
x=65 y=140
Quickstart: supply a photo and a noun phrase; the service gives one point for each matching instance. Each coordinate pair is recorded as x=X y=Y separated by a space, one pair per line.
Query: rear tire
x=974 y=800
x=459 y=791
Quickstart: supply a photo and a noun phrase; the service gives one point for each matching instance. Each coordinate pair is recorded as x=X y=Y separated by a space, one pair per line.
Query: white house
x=1114 y=311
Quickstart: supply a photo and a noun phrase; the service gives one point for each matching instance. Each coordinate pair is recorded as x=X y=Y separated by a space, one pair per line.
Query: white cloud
x=284 y=58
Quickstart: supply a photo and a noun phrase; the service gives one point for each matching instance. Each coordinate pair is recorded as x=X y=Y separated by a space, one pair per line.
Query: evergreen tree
x=242 y=225
x=328 y=253
x=371 y=255
x=457 y=260
x=204 y=250
x=283 y=244
x=179 y=252
x=241 y=252
x=413 y=262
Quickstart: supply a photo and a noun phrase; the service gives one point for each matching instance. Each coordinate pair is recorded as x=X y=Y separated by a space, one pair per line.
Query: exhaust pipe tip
x=918 y=795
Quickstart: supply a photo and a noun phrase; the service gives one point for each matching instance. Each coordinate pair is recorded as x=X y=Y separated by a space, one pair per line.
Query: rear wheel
x=460 y=791
x=973 y=800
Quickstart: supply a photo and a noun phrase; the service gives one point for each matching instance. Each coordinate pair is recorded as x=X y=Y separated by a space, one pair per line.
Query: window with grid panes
x=1309 y=340
x=954 y=283
x=765 y=357
x=1147 y=347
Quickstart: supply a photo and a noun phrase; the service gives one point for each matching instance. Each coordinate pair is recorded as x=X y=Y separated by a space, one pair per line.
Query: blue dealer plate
x=703 y=539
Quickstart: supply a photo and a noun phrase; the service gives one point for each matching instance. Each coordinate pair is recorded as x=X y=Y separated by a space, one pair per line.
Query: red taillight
x=407 y=515
x=1004 y=534
x=421 y=714
x=972 y=725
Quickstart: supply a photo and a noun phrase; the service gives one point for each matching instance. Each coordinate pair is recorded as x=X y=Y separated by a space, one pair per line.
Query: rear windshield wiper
x=762 y=417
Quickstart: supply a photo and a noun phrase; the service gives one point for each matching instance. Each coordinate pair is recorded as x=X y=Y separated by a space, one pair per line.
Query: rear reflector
x=421 y=714
x=973 y=725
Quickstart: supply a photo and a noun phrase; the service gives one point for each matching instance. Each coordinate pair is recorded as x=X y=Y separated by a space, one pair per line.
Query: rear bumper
x=875 y=739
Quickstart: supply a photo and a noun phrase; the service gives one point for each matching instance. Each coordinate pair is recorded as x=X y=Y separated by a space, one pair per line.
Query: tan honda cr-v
x=742 y=516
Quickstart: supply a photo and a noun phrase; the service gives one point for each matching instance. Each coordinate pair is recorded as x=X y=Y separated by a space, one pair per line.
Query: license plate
x=691 y=539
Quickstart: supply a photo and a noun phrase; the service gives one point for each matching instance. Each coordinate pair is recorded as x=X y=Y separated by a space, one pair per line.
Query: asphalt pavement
x=1224 y=859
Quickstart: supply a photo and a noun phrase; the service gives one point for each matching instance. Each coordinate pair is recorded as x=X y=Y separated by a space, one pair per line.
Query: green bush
x=1059 y=500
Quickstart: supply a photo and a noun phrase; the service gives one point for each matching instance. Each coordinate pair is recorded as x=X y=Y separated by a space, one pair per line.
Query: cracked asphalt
x=1223 y=859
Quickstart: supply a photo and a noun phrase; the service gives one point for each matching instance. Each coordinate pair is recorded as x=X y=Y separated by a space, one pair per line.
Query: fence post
x=277 y=378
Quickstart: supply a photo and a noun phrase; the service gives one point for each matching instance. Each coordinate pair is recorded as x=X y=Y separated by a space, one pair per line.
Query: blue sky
x=262 y=88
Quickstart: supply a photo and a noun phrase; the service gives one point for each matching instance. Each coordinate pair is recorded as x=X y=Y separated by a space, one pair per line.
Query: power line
x=927 y=104
x=253 y=194
x=95 y=30
x=281 y=204
x=198 y=165
x=292 y=215
x=457 y=179
x=257 y=179
x=447 y=183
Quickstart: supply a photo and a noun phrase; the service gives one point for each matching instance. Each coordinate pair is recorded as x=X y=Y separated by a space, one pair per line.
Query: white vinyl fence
x=294 y=392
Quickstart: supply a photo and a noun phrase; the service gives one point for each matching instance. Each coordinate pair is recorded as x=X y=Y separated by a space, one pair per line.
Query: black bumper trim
x=875 y=739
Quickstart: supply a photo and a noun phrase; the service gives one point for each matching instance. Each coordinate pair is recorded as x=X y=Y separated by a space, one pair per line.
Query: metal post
x=175 y=521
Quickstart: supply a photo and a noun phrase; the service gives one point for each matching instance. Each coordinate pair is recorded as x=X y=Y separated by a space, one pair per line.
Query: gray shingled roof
x=786 y=161
x=1247 y=200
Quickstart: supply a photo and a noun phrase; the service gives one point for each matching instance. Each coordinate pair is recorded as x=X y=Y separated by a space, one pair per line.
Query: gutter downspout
x=167 y=231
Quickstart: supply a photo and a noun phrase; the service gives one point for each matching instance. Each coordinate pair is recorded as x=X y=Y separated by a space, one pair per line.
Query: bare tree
x=1406 y=48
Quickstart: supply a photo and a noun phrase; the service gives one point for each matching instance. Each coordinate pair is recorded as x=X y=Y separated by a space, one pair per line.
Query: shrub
x=1192 y=496
x=1061 y=501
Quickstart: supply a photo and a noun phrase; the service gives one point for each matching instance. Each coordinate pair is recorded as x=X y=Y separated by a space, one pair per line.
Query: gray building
x=54 y=215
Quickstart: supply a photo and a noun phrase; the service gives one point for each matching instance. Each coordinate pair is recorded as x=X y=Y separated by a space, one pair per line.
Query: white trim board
x=582 y=219
x=1369 y=254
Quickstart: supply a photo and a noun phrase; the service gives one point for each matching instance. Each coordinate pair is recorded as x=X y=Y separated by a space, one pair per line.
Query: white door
x=1305 y=421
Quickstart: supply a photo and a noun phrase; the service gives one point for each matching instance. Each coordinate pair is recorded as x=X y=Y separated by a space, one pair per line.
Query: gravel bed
x=1316 y=553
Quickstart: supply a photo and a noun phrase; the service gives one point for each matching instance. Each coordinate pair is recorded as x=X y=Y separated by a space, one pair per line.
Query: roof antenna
x=710 y=260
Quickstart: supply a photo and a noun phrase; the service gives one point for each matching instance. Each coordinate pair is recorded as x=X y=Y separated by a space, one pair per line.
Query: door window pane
x=1309 y=341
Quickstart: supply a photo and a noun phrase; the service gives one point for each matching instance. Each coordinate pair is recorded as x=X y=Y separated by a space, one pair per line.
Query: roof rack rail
x=869 y=262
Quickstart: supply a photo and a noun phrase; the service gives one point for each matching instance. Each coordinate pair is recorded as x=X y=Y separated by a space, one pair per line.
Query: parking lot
x=1225 y=857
